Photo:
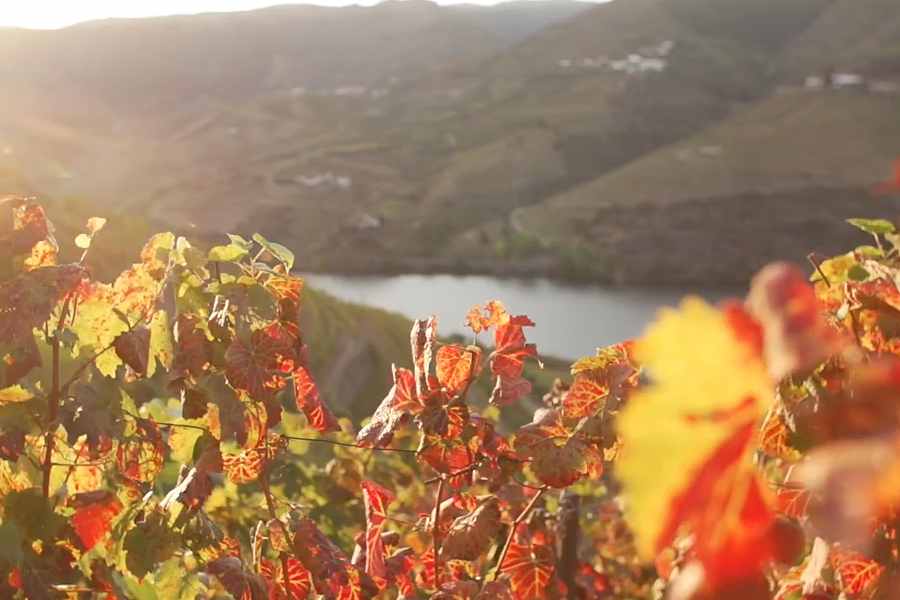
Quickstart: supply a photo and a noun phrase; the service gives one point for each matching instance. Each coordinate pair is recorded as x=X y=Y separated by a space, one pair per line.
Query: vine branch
x=512 y=530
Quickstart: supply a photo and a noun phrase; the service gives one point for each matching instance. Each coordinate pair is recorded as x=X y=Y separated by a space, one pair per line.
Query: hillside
x=413 y=137
x=852 y=36
x=773 y=182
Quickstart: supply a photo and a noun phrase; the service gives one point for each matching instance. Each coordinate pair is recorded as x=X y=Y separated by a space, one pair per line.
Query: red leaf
x=299 y=580
x=585 y=397
x=796 y=335
x=93 y=519
x=400 y=402
x=332 y=574
x=857 y=574
x=133 y=347
x=254 y=365
x=306 y=394
x=508 y=360
x=726 y=509
x=192 y=349
x=529 y=565
x=457 y=366
x=376 y=499
x=559 y=457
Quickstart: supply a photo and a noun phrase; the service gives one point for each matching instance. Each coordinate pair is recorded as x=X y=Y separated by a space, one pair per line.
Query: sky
x=50 y=14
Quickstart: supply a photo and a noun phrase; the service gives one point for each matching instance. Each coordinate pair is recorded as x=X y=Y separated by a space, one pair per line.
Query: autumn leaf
x=299 y=581
x=192 y=349
x=687 y=439
x=857 y=574
x=508 y=360
x=470 y=535
x=93 y=516
x=253 y=364
x=306 y=394
x=481 y=319
x=26 y=302
x=140 y=456
x=238 y=581
x=245 y=466
x=456 y=367
x=422 y=339
x=559 y=455
x=133 y=348
x=610 y=375
x=332 y=574
x=375 y=500
x=400 y=402
x=796 y=335
x=529 y=563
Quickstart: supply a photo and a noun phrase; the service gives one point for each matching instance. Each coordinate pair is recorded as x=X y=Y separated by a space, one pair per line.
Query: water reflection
x=572 y=320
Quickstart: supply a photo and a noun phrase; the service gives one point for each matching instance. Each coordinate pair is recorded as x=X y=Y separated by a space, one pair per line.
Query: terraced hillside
x=515 y=139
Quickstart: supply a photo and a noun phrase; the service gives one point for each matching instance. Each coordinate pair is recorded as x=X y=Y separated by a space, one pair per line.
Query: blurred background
x=584 y=162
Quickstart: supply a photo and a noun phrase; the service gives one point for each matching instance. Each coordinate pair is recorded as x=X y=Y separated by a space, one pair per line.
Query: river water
x=571 y=320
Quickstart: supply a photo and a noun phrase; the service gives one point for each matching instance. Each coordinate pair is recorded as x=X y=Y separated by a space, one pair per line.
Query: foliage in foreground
x=152 y=443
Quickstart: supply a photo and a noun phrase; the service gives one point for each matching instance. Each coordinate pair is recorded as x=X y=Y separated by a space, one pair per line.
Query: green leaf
x=149 y=544
x=281 y=253
x=229 y=253
x=857 y=273
x=32 y=513
x=239 y=241
x=183 y=439
x=11 y=539
x=873 y=226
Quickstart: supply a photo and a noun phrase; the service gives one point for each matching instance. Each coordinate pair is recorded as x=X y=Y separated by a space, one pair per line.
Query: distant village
x=835 y=80
x=648 y=59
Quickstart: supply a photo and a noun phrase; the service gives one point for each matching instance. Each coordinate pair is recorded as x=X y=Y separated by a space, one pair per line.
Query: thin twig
x=512 y=530
x=346 y=444
x=435 y=534
x=812 y=260
x=53 y=408
x=270 y=505
x=445 y=476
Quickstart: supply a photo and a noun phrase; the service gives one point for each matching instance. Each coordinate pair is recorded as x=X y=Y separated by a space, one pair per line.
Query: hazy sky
x=59 y=13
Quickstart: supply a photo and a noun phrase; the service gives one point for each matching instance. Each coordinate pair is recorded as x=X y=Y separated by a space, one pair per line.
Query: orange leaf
x=530 y=565
x=375 y=499
x=399 y=402
x=857 y=574
x=93 y=518
x=457 y=366
x=306 y=394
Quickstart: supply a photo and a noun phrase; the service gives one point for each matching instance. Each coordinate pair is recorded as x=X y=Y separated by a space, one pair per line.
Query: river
x=571 y=320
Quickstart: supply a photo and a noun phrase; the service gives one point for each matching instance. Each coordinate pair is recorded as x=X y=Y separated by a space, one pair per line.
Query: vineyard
x=162 y=437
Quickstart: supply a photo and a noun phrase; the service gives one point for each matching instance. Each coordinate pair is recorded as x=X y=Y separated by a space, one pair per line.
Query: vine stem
x=270 y=505
x=512 y=530
x=287 y=437
x=52 y=410
x=443 y=477
x=346 y=444
x=435 y=533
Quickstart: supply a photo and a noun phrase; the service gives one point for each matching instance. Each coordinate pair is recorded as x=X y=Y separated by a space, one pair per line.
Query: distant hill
x=527 y=138
x=851 y=36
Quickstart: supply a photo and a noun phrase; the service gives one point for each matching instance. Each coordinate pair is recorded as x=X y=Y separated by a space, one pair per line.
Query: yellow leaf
x=161 y=344
x=706 y=378
x=95 y=224
x=83 y=241
x=14 y=393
